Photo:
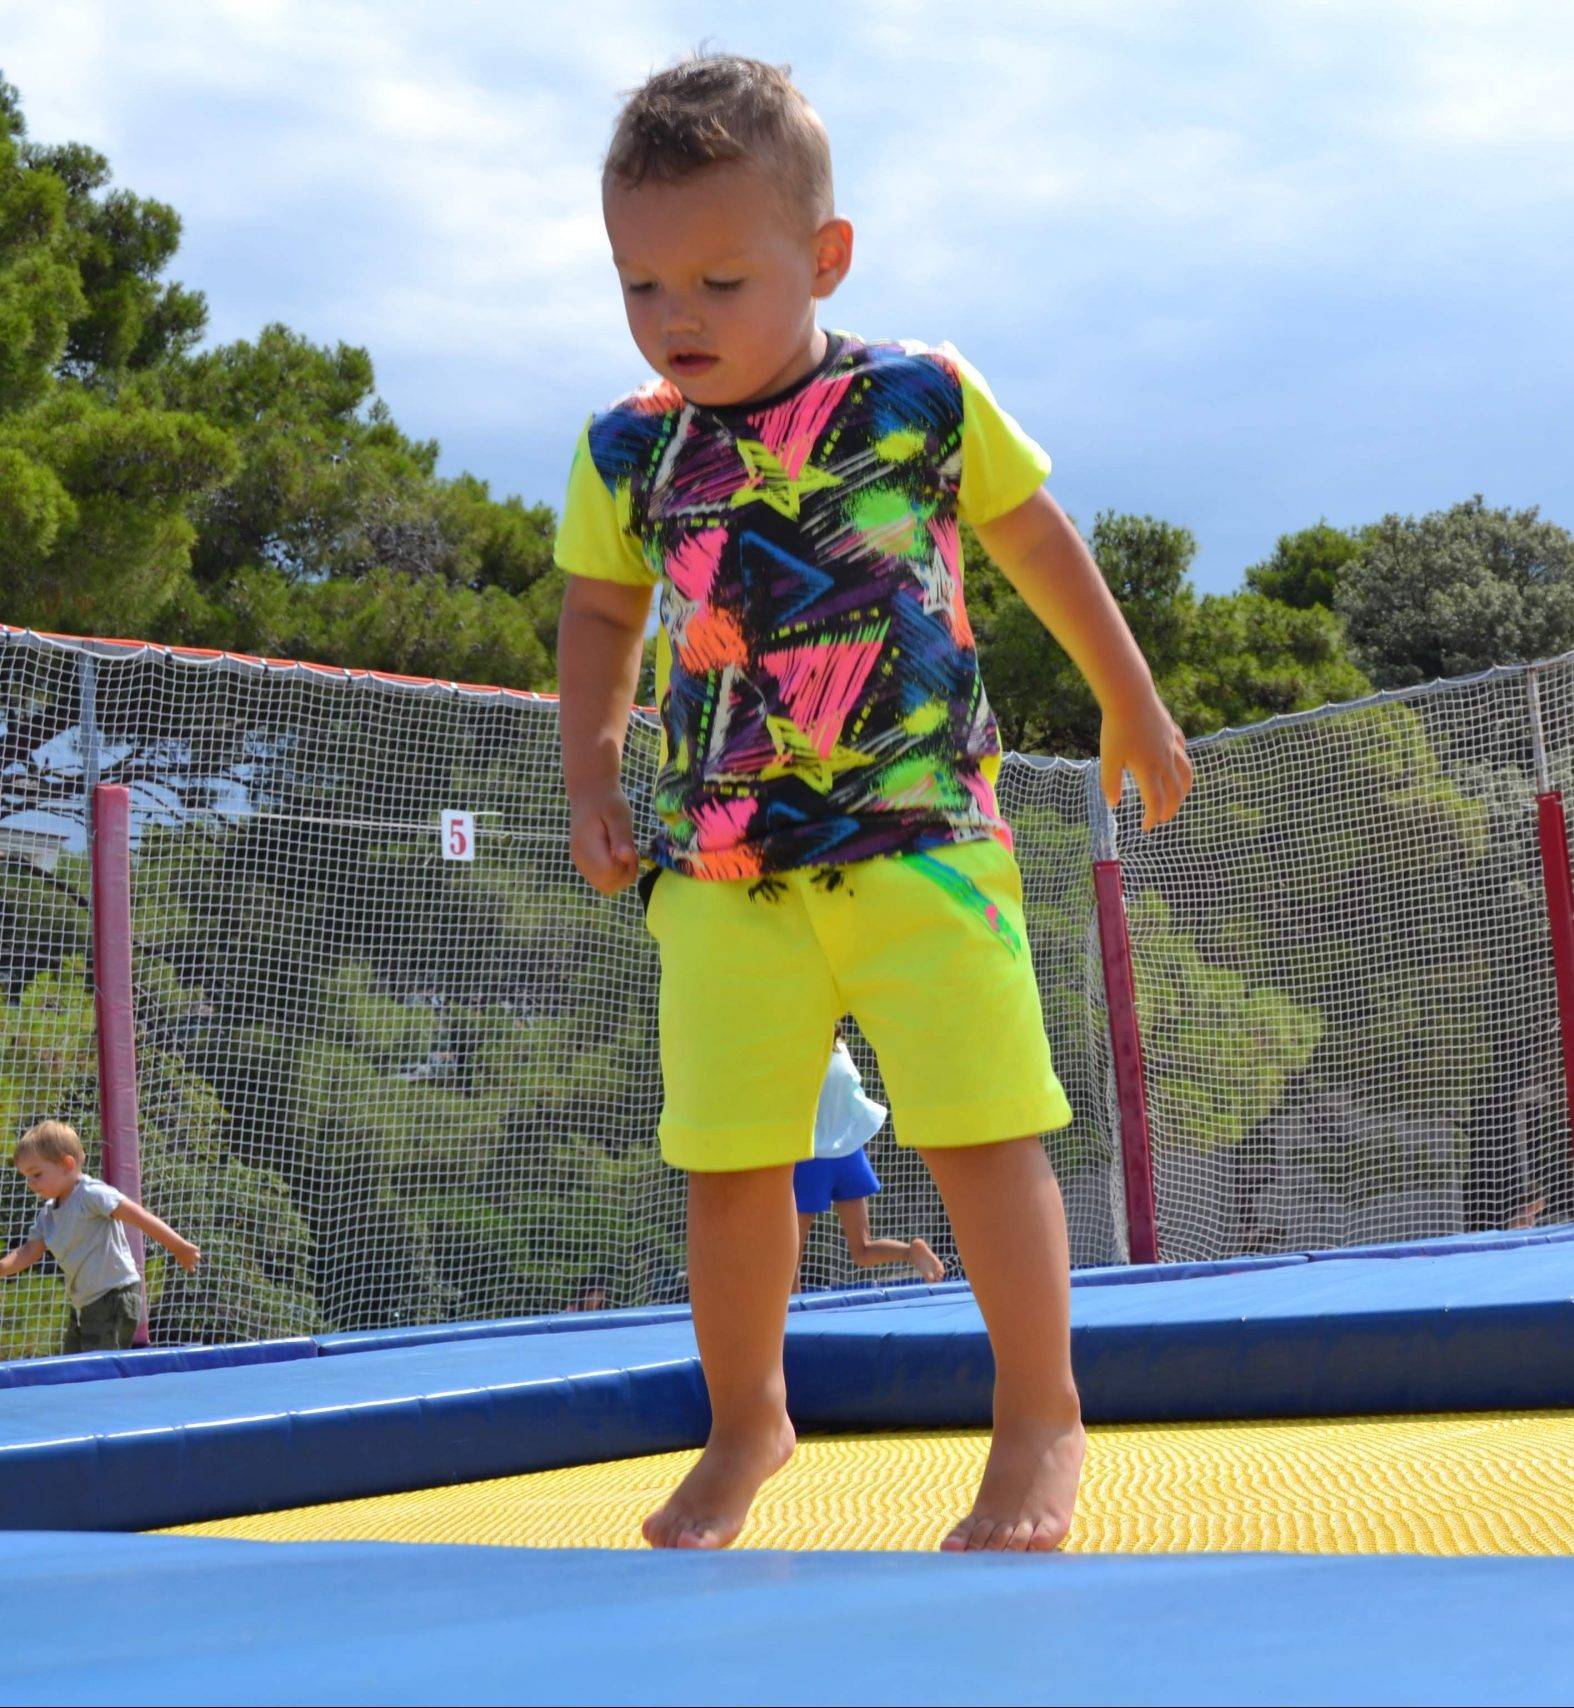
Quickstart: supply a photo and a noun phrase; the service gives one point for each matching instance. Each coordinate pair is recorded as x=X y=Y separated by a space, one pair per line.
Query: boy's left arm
x=1044 y=558
x=182 y=1250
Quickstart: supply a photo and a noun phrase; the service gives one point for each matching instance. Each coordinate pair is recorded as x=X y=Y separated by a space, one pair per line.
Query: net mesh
x=379 y=1087
x=1344 y=982
x=48 y=1041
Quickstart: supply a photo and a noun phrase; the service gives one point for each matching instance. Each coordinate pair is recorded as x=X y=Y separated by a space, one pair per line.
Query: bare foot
x=1027 y=1493
x=707 y=1509
x=921 y=1255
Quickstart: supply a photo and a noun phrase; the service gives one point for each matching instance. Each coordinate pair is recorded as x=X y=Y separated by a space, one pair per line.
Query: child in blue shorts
x=840 y=1173
x=827 y=828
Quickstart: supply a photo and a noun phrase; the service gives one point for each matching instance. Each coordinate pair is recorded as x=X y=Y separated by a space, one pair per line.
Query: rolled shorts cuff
x=959 y=1126
x=732 y=1149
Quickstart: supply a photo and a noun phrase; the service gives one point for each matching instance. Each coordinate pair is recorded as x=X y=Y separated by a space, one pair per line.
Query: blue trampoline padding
x=1473 y=1329
x=1450 y=1244
x=161 y=1360
x=234 y=1622
x=102 y=1366
x=585 y=1322
x=189 y=1445
x=150 y=1361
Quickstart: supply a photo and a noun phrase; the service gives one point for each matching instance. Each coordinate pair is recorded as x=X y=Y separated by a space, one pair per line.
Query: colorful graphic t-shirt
x=816 y=674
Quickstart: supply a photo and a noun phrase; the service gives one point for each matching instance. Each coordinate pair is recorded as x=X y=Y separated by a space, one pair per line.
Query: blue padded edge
x=151 y=1361
x=154 y=1361
x=1452 y=1332
x=160 y=1360
x=157 y=1361
x=1400 y=1361
x=376 y=1622
x=1144 y=1274
x=262 y=1449
x=1453 y=1244
x=585 y=1322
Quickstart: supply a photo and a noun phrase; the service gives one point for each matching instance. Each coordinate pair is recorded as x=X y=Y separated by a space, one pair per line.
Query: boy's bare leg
x=869 y=1253
x=1010 y=1229
x=743 y=1249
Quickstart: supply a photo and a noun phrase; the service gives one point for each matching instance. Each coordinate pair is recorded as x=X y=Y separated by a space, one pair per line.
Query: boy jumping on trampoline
x=828 y=835
x=83 y=1226
x=840 y=1174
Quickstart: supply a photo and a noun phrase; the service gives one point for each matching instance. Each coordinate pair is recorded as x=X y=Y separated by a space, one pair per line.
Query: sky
x=1240 y=265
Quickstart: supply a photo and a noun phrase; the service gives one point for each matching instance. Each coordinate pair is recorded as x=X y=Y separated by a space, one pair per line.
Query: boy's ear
x=833 y=256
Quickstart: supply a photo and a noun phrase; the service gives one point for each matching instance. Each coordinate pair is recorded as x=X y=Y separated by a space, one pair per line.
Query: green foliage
x=48 y=1067
x=1300 y=901
x=1306 y=566
x=1248 y=657
x=94 y=482
x=32 y=1313
x=120 y=243
x=256 y=496
x=1219 y=1043
x=1040 y=700
x=49 y=1064
x=1459 y=590
x=386 y=621
x=109 y=549
x=255 y=1278
x=40 y=289
x=1218 y=660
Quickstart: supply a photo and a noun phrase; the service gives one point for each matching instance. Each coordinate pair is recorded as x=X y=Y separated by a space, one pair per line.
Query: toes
x=701 y=1533
x=978 y=1535
x=664 y=1528
x=1022 y=1536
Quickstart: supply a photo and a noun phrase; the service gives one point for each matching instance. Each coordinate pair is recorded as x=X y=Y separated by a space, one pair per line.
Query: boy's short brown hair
x=715 y=107
x=54 y=1141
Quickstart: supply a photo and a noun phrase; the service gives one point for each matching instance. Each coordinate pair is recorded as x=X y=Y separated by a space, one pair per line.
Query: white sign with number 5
x=459 y=836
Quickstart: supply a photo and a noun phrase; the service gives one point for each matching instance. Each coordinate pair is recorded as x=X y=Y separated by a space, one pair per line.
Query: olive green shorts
x=928 y=952
x=107 y=1323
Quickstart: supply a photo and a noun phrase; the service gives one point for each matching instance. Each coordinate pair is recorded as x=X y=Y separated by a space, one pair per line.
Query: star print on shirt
x=770 y=482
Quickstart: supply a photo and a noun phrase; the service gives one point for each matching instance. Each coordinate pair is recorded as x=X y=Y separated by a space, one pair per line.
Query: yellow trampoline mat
x=1482 y=1483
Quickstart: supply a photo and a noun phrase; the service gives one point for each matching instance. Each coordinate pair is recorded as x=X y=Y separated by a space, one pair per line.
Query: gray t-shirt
x=90 y=1247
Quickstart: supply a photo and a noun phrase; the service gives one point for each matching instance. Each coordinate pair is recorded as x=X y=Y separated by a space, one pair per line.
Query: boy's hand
x=601 y=839
x=1146 y=741
x=186 y=1255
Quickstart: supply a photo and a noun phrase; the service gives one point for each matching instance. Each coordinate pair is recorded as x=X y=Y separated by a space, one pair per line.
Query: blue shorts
x=824 y=1181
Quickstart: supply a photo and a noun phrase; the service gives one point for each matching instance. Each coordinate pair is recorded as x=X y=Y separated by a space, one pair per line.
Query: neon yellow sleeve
x=595 y=535
x=1001 y=466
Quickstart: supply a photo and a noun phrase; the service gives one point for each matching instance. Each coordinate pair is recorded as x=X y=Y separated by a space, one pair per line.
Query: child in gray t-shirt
x=83 y=1226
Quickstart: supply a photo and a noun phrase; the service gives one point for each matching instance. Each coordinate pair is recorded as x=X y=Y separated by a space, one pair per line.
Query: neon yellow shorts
x=928 y=953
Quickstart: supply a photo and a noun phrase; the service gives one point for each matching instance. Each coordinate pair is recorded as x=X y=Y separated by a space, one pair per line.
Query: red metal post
x=113 y=1007
x=1555 y=881
x=1136 y=1145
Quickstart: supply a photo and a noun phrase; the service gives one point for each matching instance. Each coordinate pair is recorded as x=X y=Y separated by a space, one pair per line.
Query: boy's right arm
x=600 y=637
x=21 y=1257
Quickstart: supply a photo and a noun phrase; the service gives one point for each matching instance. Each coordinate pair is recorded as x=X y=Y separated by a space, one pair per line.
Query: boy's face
x=720 y=276
x=48 y=1179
